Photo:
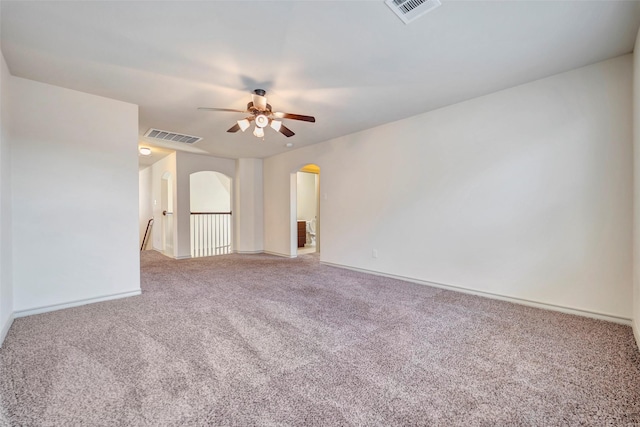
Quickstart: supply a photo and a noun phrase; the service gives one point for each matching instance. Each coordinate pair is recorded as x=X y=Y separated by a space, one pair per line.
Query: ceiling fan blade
x=286 y=131
x=259 y=101
x=221 y=109
x=295 y=117
x=234 y=128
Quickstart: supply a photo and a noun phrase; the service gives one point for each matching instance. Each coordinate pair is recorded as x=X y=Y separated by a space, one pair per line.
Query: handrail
x=145 y=234
x=211 y=213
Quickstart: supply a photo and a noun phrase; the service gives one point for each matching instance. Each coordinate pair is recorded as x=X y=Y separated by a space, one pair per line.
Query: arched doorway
x=210 y=219
x=307 y=228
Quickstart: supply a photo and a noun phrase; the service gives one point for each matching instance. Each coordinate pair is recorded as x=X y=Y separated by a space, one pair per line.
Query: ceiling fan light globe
x=244 y=124
x=262 y=120
x=258 y=132
x=276 y=124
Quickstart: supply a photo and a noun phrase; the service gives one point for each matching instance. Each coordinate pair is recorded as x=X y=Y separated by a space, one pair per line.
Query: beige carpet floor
x=259 y=340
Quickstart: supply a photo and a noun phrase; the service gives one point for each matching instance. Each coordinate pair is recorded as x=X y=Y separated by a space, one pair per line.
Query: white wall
x=145 y=205
x=75 y=202
x=307 y=202
x=186 y=164
x=249 y=206
x=525 y=193
x=636 y=192
x=209 y=192
x=6 y=286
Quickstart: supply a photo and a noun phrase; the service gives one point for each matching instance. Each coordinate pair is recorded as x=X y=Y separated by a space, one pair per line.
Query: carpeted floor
x=260 y=340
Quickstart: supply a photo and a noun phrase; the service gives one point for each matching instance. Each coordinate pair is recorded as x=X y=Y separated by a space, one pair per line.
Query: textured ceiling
x=353 y=65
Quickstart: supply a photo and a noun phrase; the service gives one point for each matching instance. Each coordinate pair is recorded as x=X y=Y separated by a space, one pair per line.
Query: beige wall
x=6 y=285
x=525 y=193
x=249 y=206
x=74 y=208
x=209 y=192
x=636 y=198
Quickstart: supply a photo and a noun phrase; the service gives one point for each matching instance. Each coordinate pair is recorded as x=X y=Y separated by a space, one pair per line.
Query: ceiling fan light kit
x=261 y=120
x=260 y=112
x=244 y=124
x=276 y=125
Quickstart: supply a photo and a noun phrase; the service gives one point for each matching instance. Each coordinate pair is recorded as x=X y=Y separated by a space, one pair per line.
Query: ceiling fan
x=260 y=112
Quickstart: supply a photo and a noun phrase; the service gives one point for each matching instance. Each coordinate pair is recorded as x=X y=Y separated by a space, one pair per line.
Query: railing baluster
x=210 y=233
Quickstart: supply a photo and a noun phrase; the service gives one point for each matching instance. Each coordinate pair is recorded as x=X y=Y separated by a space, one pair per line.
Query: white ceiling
x=351 y=64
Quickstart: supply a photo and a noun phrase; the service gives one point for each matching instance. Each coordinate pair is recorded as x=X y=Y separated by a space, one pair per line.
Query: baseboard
x=5 y=329
x=162 y=253
x=280 y=255
x=636 y=331
x=248 y=252
x=171 y=256
x=521 y=301
x=55 y=307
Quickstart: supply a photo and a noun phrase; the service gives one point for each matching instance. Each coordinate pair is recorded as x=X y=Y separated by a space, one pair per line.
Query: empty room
x=319 y=213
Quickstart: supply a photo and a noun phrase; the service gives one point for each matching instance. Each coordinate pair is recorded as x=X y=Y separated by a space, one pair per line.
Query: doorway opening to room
x=308 y=209
x=166 y=203
x=210 y=221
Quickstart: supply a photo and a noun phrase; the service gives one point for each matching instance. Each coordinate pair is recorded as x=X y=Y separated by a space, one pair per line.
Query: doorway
x=166 y=202
x=308 y=209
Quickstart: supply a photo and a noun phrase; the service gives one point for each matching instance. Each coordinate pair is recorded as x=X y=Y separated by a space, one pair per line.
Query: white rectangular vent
x=165 y=135
x=408 y=10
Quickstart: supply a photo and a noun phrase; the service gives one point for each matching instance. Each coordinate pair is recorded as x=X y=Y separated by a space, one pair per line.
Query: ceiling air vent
x=408 y=10
x=165 y=135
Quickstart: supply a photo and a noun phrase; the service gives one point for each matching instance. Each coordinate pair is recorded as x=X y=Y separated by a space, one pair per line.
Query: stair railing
x=144 y=239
